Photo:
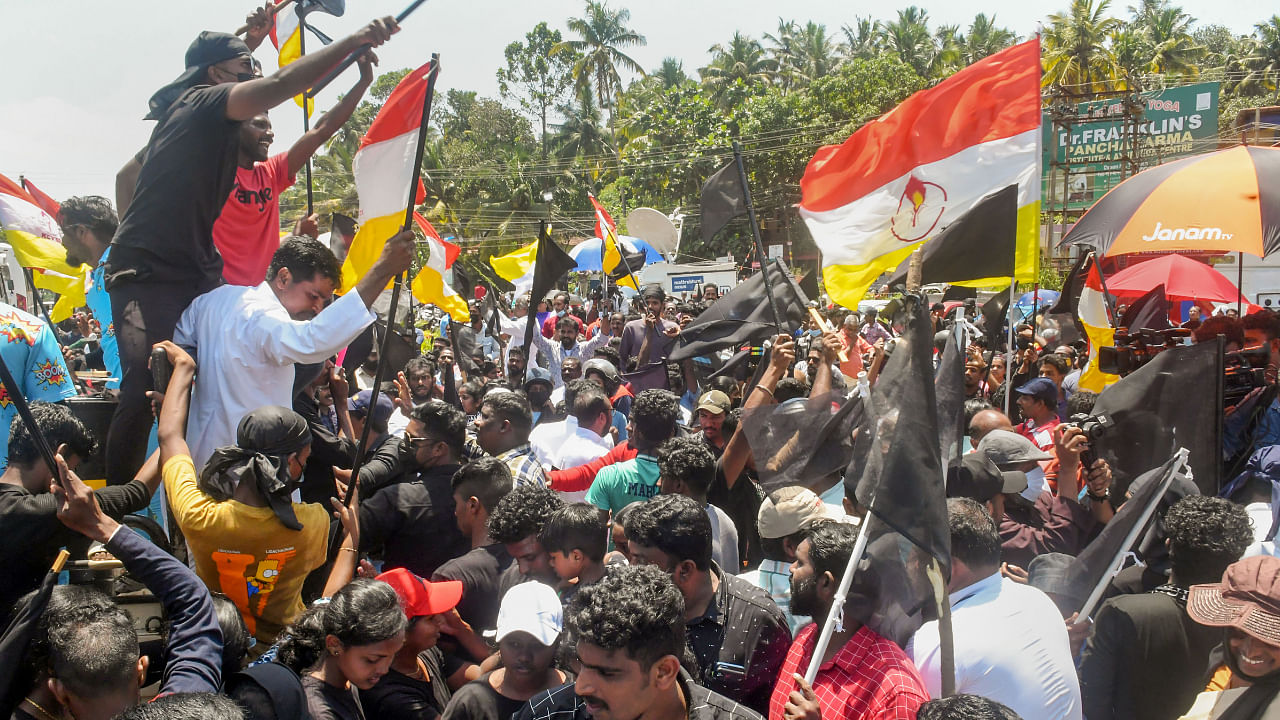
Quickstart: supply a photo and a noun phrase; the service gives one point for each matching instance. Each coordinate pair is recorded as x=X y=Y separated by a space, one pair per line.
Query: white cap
x=533 y=608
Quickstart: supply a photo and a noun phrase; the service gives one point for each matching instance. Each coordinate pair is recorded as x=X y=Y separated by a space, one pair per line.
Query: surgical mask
x=815 y=333
x=1035 y=484
x=538 y=398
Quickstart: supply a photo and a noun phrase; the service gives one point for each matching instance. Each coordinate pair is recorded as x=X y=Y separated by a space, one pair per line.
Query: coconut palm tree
x=670 y=74
x=908 y=37
x=743 y=61
x=1263 y=63
x=815 y=52
x=1168 y=30
x=984 y=38
x=1075 y=50
x=862 y=40
x=603 y=35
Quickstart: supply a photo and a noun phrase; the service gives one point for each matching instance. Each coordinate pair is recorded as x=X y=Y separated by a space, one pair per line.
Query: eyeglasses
x=419 y=442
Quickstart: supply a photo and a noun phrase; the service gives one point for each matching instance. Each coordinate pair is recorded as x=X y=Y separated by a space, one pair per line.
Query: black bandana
x=265 y=439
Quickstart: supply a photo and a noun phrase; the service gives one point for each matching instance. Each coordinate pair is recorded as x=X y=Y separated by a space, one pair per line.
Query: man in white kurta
x=246 y=340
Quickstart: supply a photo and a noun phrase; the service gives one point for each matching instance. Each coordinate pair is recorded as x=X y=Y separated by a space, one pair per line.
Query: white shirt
x=724 y=540
x=1010 y=646
x=245 y=348
x=566 y=444
x=557 y=352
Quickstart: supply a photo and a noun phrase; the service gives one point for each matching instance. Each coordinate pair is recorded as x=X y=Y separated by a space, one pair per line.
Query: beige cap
x=789 y=510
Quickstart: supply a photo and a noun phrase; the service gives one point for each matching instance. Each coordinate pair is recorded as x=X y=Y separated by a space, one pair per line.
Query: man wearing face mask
x=411 y=519
x=259 y=549
x=169 y=196
x=559 y=310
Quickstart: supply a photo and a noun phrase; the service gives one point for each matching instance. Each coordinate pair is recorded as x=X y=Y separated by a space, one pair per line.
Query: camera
x=1133 y=349
x=1094 y=428
x=1244 y=371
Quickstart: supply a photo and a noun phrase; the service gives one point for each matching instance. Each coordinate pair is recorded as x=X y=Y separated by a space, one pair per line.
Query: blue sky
x=81 y=70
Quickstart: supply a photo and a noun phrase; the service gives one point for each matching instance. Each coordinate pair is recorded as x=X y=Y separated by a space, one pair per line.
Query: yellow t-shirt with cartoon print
x=245 y=552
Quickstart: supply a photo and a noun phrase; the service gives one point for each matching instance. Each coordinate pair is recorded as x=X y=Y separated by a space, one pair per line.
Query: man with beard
x=863 y=675
x=247 y=231
x=568 y=329
x=975 y=372
x=517 y=365
x=411 y=519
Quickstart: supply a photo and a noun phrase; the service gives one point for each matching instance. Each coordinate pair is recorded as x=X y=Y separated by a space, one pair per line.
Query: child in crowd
x=576 y=537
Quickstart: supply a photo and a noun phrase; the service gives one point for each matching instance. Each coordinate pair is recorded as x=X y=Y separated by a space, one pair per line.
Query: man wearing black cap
x=163 y=254
x=647 y=342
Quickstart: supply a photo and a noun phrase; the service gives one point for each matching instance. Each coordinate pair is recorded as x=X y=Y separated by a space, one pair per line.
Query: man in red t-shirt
x=247 y=231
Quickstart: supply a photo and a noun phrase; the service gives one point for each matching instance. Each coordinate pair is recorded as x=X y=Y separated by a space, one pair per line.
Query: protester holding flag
x=248 y=339
x=164 y=255
x=647 y=342
x=247 y=232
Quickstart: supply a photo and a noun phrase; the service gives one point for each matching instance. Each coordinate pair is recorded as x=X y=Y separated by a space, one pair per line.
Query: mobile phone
x=161 y=369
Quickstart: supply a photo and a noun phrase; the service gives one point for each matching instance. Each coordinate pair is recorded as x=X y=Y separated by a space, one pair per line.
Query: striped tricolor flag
x=36 y=240
x=611 y=254
x=286 y=36
x=905 y=176
x=1091 y=311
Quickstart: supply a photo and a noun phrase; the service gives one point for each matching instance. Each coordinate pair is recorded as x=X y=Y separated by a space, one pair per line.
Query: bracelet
x=1105 y=495
x=347 y=549
x=761 y=387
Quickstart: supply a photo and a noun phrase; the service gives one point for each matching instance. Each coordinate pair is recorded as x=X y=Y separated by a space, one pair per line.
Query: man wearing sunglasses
x=411 y=519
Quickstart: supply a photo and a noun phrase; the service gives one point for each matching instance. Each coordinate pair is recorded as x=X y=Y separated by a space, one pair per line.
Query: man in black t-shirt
x=488 y=570
x=163 y=254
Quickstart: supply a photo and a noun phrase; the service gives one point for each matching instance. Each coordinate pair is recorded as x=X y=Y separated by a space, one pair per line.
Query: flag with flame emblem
x=904 y=177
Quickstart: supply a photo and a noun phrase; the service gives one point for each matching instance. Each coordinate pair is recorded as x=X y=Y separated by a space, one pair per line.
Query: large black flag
x=901 y=486
x=980 y=244
x=15 y=681
x=722 y=200
x=993 y=312
x=1069 y=298
x=803 y=441
x=744 y=315
x=1171 y=402
x=550 y=264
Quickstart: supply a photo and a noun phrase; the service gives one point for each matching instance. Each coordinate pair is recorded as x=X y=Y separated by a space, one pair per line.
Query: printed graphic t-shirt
x=245 y=552
x=31 y=352
x=247 y=232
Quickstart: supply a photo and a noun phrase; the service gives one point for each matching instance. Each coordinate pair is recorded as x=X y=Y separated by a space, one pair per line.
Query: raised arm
x=738 y=450
x=172 y=425
x=252 y=97
x=830 y=353
x=330 y=122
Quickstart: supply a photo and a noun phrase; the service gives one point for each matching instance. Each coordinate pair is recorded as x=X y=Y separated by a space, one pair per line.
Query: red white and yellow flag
x=902 y=178
x=36 y=240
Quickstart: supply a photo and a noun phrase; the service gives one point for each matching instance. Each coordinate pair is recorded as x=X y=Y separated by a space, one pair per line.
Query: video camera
x=1245 y=370
x=1133 y=349
x=1094 y=428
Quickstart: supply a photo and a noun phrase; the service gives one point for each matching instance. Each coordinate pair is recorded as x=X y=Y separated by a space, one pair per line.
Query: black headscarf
x=265 y=439
x=209 y=48
x=282 y=686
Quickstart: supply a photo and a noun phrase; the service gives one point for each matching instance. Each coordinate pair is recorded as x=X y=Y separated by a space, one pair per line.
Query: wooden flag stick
x=825 y=326
x=271 y=11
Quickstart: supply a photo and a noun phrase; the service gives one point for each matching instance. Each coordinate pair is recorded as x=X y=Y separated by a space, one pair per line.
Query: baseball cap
x=532 y=608
x=360 y=404
x=977 y=477
x=209 y=48
x=789 y=510
x=419 y=597
x=1042 y=388
x=537 y=374
x=715 y=402
x=1007 y=448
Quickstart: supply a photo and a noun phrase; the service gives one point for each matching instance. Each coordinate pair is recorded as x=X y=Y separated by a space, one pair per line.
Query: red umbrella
x=1182 y=277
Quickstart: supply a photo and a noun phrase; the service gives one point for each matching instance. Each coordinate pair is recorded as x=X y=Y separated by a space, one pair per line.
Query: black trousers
x=144 y=313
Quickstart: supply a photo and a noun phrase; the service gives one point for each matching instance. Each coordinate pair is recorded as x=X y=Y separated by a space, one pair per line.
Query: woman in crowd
x=344 y=645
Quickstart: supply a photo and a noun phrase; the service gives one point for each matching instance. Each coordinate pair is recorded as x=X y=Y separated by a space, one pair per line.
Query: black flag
x=902 y=488
x=550 y=264
x=980 y=244
x=948 y=386
x=803 y=441
x=994 y=311
x=744 y=315
x=16 y=681
x=1170 y=402
x=1149 y=312
x=722 y=200
x=1069 y=298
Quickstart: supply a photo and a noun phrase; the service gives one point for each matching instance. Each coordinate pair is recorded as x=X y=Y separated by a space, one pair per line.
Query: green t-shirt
x=620 y=484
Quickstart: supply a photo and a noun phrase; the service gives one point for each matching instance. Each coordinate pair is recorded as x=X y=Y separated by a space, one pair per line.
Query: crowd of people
x=575 y=526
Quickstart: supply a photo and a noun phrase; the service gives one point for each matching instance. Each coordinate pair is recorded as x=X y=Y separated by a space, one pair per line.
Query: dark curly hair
x=58 y=425
x=974 y=537
x=688 y=460
x=92 y=211
x=523 y=512
x=654 y=415
x=830 y=545
x=1215 y=325
x=363 y=612
x=445 y=422
x=186 y=706
x=674 y=524
x=305 y=257
x=513 y=408
x=1206 y=534
x=635 y=609
x=965 y=707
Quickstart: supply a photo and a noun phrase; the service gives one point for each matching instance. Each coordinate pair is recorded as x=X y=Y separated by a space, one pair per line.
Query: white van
x=13 y=282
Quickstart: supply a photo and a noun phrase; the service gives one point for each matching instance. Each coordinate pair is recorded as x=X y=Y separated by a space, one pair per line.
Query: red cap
x=419 y=597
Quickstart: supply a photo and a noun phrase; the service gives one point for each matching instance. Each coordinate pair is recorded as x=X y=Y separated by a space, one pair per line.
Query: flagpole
x=1106 y=295
x=351 y=58
x=380 y=372
x=837 y=602
x=19 y=401
x=1008 y=350
x=1137 y=529
x=755 y=234
x=306 y=106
